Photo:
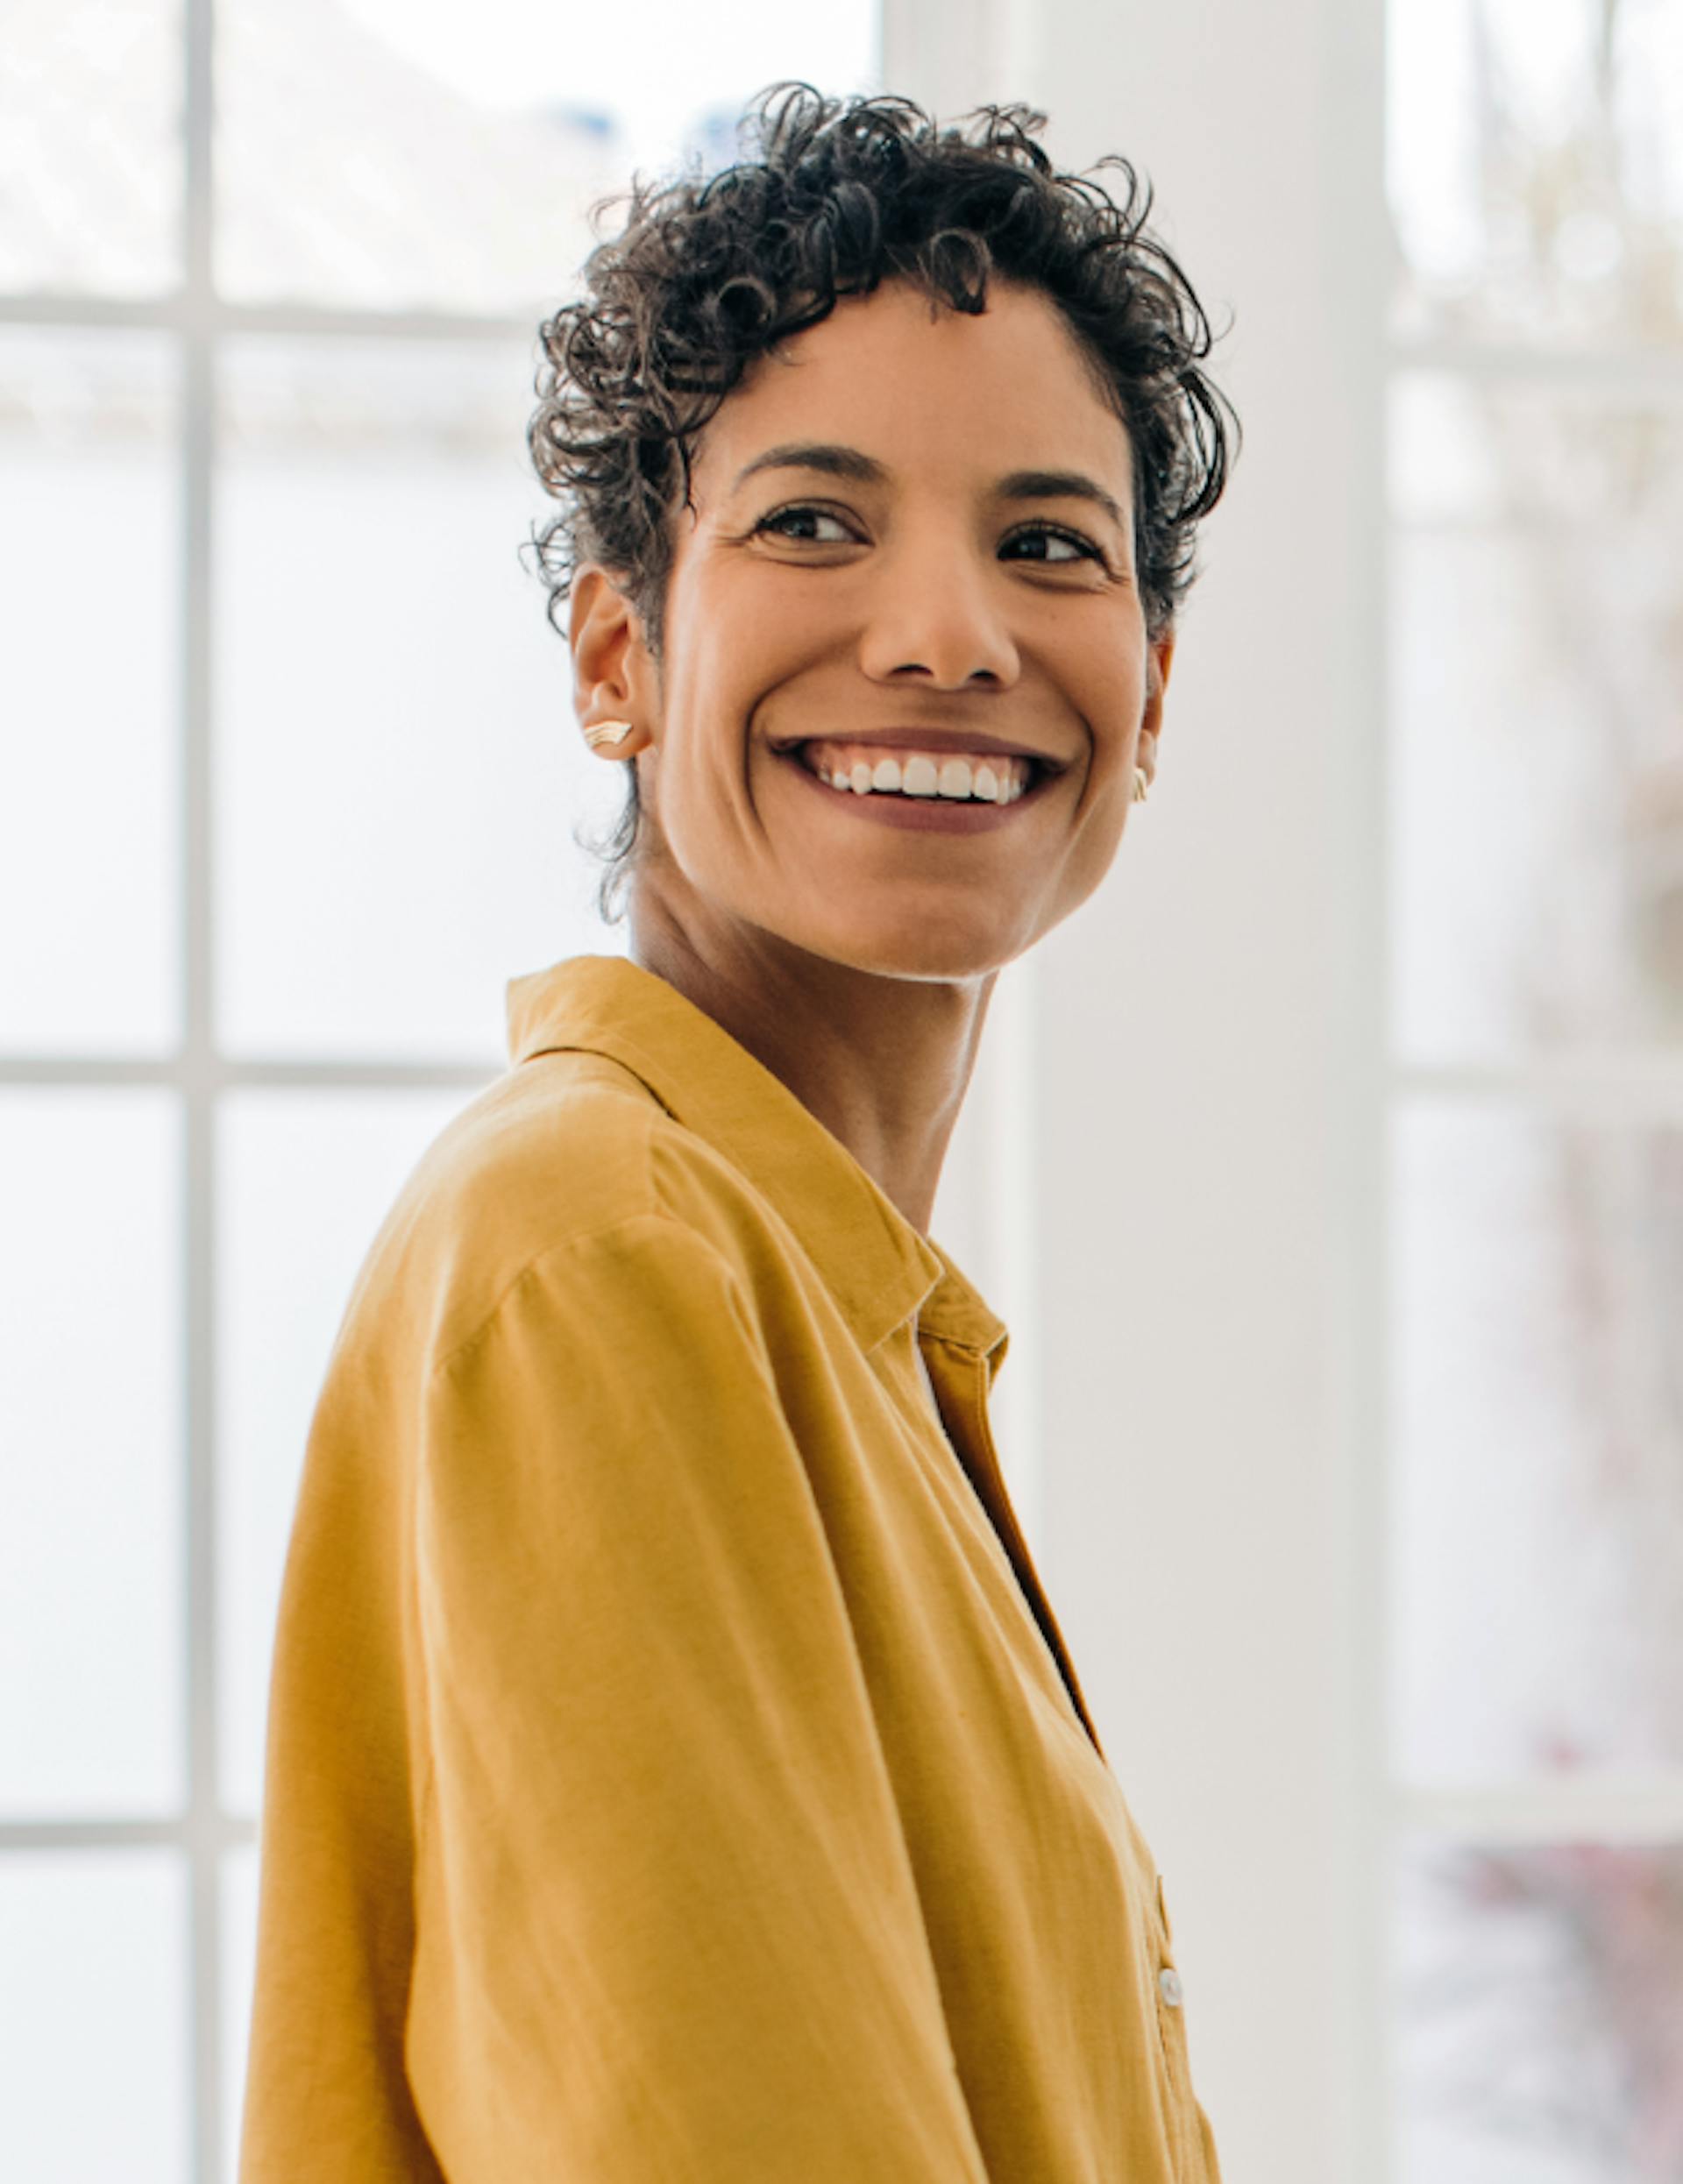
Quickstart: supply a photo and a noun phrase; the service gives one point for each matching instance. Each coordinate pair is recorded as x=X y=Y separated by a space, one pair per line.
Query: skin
x=856 y=961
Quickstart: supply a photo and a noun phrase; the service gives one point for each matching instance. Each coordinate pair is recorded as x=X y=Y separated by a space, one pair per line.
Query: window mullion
x=1625 y=1807
x=197 y=1089
x=1616 y=370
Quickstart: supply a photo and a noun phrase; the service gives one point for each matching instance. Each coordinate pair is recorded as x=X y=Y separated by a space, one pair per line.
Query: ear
x=1159 y=665
x=613 y=672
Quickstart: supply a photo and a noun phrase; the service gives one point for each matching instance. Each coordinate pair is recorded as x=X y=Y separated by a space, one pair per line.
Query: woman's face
x=913 y=527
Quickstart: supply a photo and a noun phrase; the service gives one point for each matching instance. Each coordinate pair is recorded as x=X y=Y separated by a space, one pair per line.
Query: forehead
x=925 y=388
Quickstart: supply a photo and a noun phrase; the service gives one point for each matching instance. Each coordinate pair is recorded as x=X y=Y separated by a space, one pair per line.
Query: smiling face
x=914 y=527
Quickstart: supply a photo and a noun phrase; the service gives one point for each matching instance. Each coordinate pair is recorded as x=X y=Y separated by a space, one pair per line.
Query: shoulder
x=564 y=1160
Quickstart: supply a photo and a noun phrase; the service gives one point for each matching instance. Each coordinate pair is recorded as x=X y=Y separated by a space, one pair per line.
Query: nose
x=936 y=616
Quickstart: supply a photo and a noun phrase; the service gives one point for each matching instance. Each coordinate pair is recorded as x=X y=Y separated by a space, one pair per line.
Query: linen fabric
x=675 y=1774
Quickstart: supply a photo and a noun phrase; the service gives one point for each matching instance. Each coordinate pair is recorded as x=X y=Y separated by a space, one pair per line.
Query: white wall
x=1207 y=1093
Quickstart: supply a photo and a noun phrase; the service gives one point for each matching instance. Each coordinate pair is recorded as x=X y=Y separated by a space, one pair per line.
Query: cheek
x=1102 y=682
x=705 y=716
x=700 y=803
x=1110 y=715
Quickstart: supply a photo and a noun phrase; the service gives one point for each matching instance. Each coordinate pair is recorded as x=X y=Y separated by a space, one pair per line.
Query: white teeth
x=920 y=776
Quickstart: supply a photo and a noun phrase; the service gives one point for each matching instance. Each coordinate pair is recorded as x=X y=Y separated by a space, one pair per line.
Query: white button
x=1168 y=1983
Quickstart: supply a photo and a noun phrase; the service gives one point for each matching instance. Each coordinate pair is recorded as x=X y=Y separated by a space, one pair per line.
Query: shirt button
x=1168 y=1985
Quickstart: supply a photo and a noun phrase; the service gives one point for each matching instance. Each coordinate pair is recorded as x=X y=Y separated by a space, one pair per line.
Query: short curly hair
x=707 y=274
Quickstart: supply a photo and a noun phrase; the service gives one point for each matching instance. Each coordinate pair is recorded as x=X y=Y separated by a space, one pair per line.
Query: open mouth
x=918 y=809
x=1032 y=771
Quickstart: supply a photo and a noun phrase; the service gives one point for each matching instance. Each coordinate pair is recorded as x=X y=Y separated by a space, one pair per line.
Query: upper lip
x=959 y=740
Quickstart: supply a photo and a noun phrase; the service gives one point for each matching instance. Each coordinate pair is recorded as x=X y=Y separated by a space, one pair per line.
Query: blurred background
x=1327 y=1167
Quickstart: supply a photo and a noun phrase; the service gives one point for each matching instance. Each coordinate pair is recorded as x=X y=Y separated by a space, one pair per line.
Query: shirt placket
x=964 y=1379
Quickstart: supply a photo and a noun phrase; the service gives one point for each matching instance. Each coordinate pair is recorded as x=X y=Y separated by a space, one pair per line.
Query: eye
x=782 y=522
x=1081 y=548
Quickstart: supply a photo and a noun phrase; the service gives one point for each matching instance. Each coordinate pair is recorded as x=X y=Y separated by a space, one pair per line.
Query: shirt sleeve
x=666 y=1922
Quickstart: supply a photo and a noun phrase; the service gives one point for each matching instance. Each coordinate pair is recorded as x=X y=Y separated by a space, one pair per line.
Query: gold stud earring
x=608 y=732
x=1140 y=784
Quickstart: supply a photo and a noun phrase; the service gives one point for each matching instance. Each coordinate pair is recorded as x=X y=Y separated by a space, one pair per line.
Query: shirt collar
x=878 y=1265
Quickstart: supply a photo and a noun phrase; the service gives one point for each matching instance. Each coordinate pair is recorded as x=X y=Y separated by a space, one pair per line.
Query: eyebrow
x=837 y=461
x=1052 y=485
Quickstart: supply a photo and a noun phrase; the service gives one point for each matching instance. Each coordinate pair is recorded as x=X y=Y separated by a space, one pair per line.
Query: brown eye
x=781 y=523
x=1081 y=548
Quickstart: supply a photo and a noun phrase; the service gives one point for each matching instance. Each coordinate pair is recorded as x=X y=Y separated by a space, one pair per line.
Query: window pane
x=384 y=156
x=90 y=146
x=400 y=773
x=91 y=1661
x=1538 y=1493
x=1536 y=648
x=1540 y=2009
x=93 y=2046
x=88 y=572
x=306 y=1180
x=238 y=1973
x=1535 y=169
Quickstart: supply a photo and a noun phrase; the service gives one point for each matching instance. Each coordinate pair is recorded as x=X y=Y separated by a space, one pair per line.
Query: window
x=292 y=771
x=1536 y=760
x=290 y=775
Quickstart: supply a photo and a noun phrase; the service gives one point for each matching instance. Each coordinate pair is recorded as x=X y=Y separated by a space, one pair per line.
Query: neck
x=882 y=1062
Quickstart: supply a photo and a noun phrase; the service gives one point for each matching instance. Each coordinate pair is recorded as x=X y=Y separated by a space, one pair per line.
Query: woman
x=675 y=1771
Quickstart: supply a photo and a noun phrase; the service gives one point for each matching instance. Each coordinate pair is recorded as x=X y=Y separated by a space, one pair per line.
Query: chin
x=960 y=957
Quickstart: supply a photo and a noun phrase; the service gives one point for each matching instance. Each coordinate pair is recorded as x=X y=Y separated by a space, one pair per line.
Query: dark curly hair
x=707 y=275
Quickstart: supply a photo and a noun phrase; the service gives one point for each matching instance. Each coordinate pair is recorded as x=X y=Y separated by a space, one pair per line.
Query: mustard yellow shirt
x=674 y=1770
